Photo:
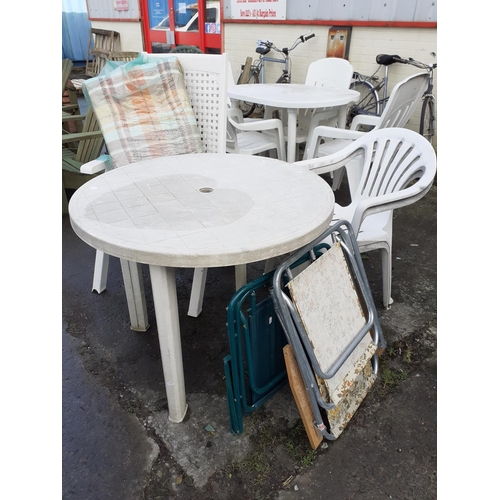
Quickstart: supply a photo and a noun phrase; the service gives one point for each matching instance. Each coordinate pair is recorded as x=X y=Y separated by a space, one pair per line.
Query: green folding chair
x=255 y=368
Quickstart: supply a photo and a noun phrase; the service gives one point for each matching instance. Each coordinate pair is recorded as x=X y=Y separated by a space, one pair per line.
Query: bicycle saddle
x=262 y=49
x=386 y=59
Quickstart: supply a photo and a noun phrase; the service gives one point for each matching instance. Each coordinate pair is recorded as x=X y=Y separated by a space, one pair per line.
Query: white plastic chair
x=325 y=140
x=252 y=135
x=398 y=167
x=205 y=78
x=330 y=72
x=247 y=137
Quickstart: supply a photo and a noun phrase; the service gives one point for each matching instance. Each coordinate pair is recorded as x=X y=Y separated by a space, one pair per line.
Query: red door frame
x=198 y=38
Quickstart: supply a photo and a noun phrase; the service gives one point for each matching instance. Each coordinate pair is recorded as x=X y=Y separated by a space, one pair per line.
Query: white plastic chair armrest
x=321 y=165
x=365 y=120
x=235 y=117
x=95 y=166
x=324 y=131
x=258 y=125
x=339 y=159
x=391 y=201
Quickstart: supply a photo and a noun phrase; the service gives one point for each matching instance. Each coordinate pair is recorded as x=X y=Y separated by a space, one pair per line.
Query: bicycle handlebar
x=270 y=45
x=305 y=38
x=419 y=64
x=386 y=60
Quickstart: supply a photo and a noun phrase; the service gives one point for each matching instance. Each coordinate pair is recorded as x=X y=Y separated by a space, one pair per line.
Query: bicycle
x=256 y=70
x=370 y=86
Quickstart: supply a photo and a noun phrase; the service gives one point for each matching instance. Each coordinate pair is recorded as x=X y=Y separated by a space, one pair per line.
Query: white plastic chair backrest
x=403 y=100
x=331 y=72
x=206 y=78
x=230 y=76
x=393 y=159
x=399 y=167
x=230 y=81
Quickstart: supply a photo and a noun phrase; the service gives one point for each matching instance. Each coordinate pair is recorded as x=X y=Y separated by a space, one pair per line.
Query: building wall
x=240 y=41
x=130 y=33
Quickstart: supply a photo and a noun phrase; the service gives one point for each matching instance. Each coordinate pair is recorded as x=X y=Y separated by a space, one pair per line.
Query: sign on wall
x=365 y=11
x=113 y=10
x=262 y=10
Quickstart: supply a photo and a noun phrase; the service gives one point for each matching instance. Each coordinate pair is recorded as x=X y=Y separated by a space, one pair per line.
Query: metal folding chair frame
x=342 y=233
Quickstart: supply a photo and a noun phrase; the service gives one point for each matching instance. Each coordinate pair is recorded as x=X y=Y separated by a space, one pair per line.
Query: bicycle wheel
x=368 y=103
x=428 y=119
x=247 y=108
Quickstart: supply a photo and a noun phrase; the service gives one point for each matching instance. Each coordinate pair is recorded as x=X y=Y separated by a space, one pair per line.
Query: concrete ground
x=119 y=444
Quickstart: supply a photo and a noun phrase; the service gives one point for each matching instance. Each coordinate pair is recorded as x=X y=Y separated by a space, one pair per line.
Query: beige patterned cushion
x=144 y=111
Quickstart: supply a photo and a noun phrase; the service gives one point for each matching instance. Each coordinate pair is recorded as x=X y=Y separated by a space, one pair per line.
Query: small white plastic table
x=198 y=211
x=292 y=97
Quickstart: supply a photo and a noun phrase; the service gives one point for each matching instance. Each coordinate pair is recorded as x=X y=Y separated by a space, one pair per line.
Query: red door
x=168 y=23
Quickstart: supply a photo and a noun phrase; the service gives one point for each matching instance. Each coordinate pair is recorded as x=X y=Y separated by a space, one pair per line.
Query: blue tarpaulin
x=75 y=30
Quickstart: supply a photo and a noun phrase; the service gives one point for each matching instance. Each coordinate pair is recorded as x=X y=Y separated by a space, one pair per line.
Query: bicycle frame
x=264 y=59
x=257 y=72
x=264 y=47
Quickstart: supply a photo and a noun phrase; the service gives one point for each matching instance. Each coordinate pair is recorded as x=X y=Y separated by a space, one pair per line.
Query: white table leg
x=136 y=298
x=292 y=135
x=240 y=275
x=100 y=271
x=197 y=292
x=342 y=116
x=169 y=335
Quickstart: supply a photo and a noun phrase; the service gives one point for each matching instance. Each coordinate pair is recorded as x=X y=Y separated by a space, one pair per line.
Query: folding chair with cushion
x=185 y=96
x=398 y=167
x=404 y=99
x=331 y=324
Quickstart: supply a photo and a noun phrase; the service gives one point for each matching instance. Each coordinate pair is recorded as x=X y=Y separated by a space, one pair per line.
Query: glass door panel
x=176 y=22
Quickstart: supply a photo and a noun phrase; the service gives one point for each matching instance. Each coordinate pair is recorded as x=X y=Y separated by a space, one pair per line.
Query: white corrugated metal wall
x=354 y=10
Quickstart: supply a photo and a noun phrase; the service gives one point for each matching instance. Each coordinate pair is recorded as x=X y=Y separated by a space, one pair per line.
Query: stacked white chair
x=325 y=140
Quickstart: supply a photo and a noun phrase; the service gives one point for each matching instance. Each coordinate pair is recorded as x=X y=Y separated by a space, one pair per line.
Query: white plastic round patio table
x=197 y=211
x=294 y=96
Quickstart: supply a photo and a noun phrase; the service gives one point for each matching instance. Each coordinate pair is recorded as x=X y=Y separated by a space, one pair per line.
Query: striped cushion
x=144 y=111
